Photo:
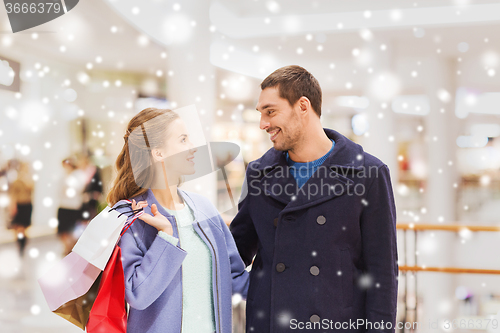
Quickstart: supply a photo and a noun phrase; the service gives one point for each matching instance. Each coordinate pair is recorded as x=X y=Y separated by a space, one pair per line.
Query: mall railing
x=415 y=268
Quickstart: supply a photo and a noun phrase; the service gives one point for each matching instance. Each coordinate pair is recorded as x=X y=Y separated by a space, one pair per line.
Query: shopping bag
x=108 y=314
x=100 y=237
x=77 y=311
x=67 y=280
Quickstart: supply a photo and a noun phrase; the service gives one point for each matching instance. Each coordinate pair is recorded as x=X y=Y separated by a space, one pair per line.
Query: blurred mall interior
x=413 y=82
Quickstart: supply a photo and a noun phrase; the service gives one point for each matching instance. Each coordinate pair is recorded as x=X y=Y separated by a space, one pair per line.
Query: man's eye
x=270 y=111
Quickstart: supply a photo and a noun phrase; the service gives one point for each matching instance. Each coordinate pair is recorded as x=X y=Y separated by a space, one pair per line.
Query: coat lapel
x=277 y=181
x=329 y=181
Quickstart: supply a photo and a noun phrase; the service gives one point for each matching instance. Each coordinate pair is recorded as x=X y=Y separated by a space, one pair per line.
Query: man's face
x=279 y=119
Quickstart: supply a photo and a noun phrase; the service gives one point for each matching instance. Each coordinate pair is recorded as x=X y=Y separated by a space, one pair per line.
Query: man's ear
x=304 y=104
x=157 y=155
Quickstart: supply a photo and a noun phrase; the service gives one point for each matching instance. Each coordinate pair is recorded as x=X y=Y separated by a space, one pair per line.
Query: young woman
x=180 y=261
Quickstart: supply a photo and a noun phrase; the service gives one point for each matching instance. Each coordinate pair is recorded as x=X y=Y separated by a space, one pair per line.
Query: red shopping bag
x=108 y=314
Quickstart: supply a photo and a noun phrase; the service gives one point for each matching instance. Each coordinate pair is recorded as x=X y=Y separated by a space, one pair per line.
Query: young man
x=319 y=216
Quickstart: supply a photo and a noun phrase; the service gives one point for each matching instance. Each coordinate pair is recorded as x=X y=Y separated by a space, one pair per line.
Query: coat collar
x=345 y=154
x=346 y=158
x=151 y=199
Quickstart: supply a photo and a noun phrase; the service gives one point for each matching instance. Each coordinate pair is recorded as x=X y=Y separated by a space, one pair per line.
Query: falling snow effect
x=33 y=124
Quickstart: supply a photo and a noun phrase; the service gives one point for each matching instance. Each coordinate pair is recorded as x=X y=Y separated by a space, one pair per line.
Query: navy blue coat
x=325 y=255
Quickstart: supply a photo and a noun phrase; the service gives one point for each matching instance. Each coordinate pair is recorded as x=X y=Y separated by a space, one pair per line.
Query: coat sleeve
x=378 y=232
x=242 y=227
x=148 y=274
x=240 y=276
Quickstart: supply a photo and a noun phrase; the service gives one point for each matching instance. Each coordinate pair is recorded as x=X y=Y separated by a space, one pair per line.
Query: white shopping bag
x=67 y=280
x=100 y=237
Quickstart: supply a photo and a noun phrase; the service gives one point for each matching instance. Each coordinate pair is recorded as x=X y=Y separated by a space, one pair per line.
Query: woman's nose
x=192 y=148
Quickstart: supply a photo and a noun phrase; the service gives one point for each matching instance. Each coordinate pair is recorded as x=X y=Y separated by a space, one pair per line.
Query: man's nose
x=263 y=123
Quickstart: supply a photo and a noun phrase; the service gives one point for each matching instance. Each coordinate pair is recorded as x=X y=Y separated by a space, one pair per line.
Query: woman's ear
x=157 y=155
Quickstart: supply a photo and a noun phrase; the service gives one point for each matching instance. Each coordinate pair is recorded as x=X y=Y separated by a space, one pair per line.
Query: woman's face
x=179 y=150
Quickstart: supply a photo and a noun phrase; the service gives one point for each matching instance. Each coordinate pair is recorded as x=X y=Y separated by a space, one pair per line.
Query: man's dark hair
x=293 y=82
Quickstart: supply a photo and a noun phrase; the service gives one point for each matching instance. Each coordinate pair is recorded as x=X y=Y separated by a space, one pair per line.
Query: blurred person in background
x=92 y=192
x=7 y=177
x=20 y=192
x=71 y=200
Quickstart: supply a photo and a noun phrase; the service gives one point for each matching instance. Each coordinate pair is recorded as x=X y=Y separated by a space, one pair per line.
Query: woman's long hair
x=142 y=136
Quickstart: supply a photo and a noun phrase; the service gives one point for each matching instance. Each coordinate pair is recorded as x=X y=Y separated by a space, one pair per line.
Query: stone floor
x=23 y=307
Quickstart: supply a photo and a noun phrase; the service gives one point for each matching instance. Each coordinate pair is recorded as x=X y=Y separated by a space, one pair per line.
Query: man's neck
x=312 y=147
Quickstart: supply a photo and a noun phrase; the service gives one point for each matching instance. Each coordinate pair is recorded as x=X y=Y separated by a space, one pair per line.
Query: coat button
x=280 y=267
x=314 y=318
x=321 y=219
x=314 y=270
x=275 y=222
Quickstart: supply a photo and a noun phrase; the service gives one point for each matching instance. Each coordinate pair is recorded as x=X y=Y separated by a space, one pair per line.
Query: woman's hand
x=158 y=221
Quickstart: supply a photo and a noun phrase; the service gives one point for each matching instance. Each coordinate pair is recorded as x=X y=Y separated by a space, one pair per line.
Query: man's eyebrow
x=266 y=106
x=182 y=135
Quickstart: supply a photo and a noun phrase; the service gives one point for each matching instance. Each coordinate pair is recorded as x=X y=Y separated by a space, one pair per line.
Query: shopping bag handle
x=134 y=214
